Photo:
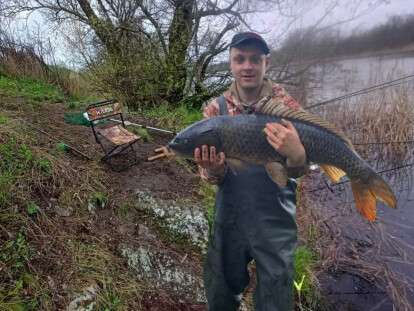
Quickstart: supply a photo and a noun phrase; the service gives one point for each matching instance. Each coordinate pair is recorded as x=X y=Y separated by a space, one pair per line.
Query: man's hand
x=209 y=160
x=285 y=139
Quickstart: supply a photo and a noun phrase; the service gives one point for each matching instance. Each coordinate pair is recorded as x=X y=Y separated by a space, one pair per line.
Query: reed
x=380 y=125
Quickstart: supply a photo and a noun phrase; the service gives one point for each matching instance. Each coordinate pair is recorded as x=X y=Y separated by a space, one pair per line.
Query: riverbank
x=132 y=240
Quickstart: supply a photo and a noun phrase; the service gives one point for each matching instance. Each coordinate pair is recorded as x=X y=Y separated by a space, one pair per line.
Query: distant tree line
x=310 y=43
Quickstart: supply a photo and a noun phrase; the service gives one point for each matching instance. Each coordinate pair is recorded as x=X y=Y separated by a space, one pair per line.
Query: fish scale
x=242 y=138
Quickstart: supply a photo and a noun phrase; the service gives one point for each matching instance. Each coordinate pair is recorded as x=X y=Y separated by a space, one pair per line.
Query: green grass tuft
x=61 y=147
x=305 y=259
x=3 y=119
x=44 y=166
x=30 y=89
x=32 y=208
x=142 y=132
x=173 y=118
x=98 y=199
x=208 y=193
x=15 y=253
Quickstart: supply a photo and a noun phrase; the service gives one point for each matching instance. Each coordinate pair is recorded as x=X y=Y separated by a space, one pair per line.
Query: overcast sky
x=275 y=26
x=369 y=13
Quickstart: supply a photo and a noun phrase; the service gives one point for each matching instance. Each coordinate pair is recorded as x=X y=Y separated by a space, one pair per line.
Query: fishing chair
x=108 y=126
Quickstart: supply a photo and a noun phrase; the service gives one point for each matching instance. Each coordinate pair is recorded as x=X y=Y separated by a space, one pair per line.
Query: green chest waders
x=254 y=220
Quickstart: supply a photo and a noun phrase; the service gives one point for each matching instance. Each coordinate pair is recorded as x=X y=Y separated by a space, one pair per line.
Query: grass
x=98 y=199
x=305 y=261
x=208 y=193
x=173 y=119
x=28 y=176
x=3 y=119
x=19 y=168
x=94 y=265
x=18 y=160
x=142 y=132
x=15 y=254
x=30 y=89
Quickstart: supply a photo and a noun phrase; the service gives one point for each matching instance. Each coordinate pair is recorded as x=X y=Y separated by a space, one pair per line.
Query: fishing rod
x=145 y=127
x=379 y=172
x=384 y=143
x=364 y=91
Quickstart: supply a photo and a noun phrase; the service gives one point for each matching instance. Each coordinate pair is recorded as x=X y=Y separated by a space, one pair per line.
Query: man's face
x=248 y=66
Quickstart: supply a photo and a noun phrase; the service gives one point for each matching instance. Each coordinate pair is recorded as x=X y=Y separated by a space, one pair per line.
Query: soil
x=165 y=179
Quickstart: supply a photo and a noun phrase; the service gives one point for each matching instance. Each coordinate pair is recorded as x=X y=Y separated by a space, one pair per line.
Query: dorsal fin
x=269 y=107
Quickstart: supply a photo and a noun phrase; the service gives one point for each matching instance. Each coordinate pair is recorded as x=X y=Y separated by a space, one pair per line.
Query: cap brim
x=263 y=46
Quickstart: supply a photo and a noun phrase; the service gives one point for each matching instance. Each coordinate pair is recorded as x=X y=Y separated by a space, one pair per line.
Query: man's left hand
x=285 y=139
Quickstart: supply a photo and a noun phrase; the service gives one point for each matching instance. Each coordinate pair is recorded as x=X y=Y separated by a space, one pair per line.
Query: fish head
x=201 y=133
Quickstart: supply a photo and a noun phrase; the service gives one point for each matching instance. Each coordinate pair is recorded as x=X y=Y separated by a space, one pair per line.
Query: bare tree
x=178 y=38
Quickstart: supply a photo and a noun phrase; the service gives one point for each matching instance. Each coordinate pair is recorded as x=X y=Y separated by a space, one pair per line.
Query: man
x=255 y=219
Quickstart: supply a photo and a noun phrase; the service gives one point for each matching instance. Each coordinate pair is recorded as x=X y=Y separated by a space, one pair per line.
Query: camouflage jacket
x=235 y=106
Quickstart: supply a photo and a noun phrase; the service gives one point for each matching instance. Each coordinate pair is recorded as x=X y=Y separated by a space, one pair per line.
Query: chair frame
x=109 y=109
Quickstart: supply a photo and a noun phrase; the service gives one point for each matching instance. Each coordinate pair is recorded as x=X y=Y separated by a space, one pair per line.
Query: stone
x=85 y=301
x=186 y=220
x=164 y=271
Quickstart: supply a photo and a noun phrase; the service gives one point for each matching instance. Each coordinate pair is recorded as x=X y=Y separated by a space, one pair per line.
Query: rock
x=187 y=221
x=144 y=232
x=164 y=271
x=85 y=301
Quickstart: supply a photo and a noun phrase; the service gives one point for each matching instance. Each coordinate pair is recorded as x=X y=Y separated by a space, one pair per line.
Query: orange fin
x=383 y=192
x=364 y=200
x=334 y=173
x=366 y=196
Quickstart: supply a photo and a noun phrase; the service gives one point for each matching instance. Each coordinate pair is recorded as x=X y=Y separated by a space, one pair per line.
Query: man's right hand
x=209 y=159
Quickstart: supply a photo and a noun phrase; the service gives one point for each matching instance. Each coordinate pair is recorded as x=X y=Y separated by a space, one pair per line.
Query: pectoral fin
x=334 y=173
x=277 y=173
x=236 y=165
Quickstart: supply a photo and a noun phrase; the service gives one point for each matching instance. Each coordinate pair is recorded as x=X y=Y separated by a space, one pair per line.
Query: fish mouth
x=174 y=147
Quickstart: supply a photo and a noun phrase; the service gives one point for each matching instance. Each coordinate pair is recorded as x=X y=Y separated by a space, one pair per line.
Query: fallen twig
x=163 y=152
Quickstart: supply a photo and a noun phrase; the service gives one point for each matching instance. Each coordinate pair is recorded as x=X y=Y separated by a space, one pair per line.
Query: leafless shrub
x=19 y=59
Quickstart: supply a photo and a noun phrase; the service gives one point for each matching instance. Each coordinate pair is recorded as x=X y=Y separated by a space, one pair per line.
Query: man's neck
x=249 y=96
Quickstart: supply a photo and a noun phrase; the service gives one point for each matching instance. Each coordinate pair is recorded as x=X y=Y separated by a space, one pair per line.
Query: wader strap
x=223 y=110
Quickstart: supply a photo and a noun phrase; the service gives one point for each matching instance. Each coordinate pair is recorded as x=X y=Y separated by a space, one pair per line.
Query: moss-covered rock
x=163 y=270
x=180 y=219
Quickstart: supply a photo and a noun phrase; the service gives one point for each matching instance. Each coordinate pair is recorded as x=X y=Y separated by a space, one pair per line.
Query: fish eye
x=180 y=140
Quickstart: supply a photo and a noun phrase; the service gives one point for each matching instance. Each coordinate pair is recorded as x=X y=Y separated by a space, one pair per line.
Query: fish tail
x=367 y=193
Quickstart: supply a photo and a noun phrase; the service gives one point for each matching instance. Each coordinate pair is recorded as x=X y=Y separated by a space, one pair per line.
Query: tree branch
x=155 y=24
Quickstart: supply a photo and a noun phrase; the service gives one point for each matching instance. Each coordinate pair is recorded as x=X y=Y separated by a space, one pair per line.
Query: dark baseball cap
x=249 y=37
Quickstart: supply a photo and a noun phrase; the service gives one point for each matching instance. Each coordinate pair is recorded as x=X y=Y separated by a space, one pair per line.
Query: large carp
x=243 y=141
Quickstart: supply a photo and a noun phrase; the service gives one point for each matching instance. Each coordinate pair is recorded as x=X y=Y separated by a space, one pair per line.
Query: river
x=393 y=233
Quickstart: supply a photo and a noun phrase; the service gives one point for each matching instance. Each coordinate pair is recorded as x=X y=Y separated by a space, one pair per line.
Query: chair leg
x=110 y=154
